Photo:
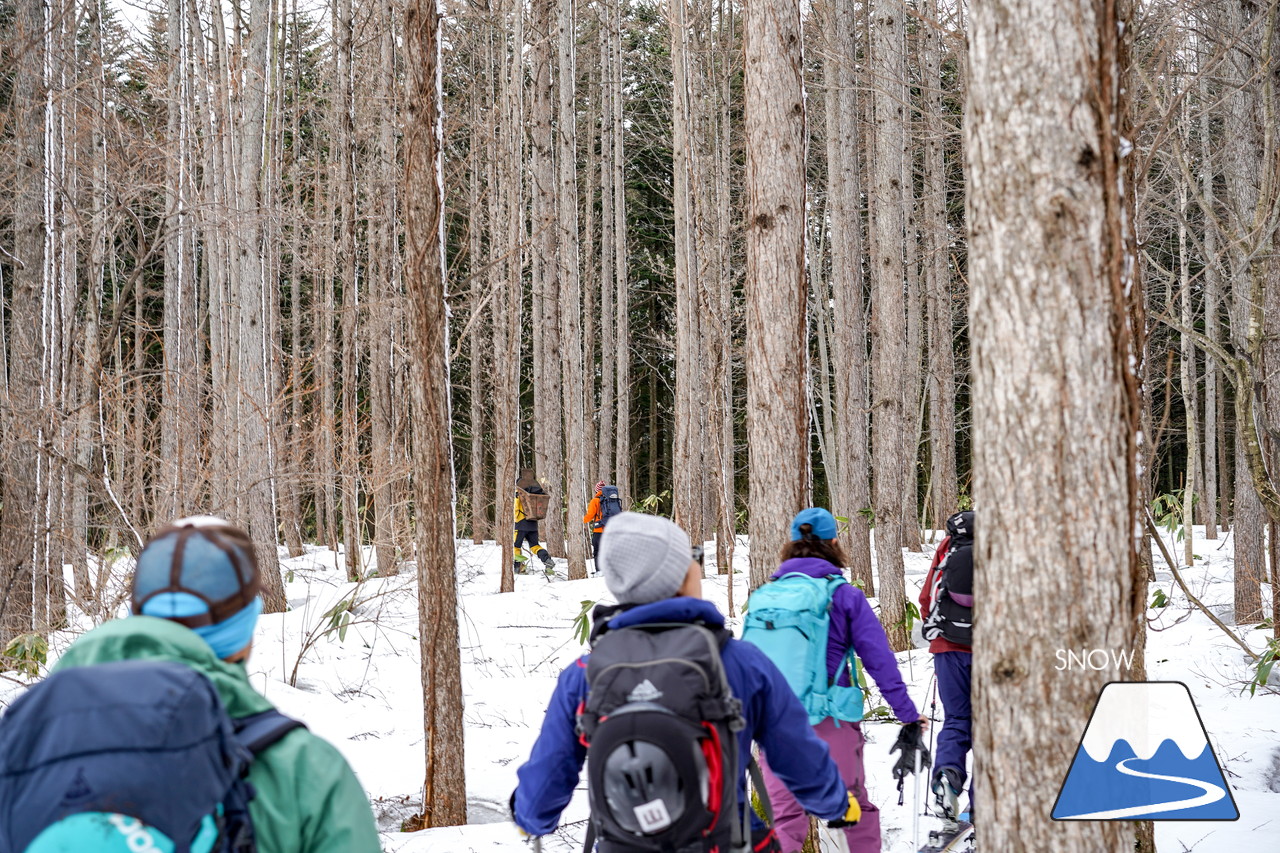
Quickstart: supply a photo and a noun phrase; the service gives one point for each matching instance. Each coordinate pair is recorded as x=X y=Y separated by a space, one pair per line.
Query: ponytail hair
x=809 y=545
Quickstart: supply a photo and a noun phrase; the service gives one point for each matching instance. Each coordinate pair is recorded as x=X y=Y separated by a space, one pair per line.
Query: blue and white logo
x=1145 y=755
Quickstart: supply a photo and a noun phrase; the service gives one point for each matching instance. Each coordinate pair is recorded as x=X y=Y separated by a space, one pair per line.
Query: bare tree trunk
x=1212 y=328
x=893 y=451
x=252 y=390
x=481 y=156
x=686 y=468
x=548 y=422
x=622 y=293
x=445 y=789
x=17 y=431
x=777 y=415
x=1049 y=259
x=385 y=285
x=608 y=253
x=571 y=345
x=943 y=488
x=852 y=493
x=506 y=305
x=181 y=411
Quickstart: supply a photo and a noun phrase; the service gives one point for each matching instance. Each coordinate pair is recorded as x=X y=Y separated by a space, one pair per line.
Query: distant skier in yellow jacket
x=527 y=528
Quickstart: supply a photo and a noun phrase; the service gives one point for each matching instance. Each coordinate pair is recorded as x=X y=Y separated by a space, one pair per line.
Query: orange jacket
x=593 y=515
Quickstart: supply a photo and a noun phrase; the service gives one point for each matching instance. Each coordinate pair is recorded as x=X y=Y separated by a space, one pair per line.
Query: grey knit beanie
x=644 y=558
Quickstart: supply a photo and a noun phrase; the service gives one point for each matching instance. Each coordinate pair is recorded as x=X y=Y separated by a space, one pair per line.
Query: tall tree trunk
x=254 y=336
x=943 y=488
x=608 y=253
x=548 y=421
x=445 y=788
x=571 y=345
x=1212 y=301
x=506 y=305
x=686 y=469
x=17 y=431
x=852 y=493
x=777 y=415
x=893 y=451
x=622 y=292
x=1050 y=238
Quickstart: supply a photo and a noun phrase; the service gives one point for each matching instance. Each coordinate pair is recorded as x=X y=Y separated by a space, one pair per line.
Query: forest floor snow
x=360 y=689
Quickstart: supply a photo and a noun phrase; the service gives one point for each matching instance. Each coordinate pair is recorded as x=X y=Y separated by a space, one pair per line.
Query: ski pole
x=915 y=807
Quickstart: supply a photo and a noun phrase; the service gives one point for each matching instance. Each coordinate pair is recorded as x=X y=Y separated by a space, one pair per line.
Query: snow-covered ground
x=363 y=692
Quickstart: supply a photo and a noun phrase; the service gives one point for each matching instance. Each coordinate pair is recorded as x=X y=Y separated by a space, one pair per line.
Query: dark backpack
x=610 y=504
x=660 y=725
x=131 y=755
x=951 y=610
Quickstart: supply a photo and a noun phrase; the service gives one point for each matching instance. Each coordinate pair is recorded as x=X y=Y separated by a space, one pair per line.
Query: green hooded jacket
x=309 y=800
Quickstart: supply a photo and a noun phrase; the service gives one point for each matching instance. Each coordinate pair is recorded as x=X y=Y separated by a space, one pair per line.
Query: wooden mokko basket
x=535 y=506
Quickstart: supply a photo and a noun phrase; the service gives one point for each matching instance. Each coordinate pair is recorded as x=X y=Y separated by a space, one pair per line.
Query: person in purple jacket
x=814 y=551
x=649 y=568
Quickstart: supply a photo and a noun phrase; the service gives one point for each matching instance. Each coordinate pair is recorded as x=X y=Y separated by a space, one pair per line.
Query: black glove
x=910 y=743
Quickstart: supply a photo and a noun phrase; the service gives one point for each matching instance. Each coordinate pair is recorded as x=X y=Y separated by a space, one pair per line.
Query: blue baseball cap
x=822 y=524
x=201 y=572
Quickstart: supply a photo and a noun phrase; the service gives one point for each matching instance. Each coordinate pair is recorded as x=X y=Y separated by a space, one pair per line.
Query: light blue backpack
x=789 y=619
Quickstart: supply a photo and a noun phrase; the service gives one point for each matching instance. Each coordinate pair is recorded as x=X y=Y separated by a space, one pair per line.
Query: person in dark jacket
x=527 y=528
x=952 y=664
x=814 y=551
x=649 y=569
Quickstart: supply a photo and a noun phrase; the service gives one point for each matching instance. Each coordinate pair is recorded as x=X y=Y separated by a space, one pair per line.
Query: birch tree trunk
x=1212 y=327
x=892 y=423
x=777 y=415
x=445 y=788
x=1055 y=328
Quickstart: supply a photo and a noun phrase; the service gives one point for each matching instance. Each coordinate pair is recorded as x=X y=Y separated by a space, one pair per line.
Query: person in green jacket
x=195 y=600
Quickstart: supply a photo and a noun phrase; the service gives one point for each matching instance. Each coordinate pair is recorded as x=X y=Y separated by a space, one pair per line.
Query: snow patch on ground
x=363 y=692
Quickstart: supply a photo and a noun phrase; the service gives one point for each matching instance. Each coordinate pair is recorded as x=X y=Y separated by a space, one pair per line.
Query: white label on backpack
x=644 y=692
x=653 y=816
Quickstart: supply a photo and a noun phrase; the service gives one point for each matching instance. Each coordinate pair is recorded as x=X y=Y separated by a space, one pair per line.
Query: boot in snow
x=946 y=794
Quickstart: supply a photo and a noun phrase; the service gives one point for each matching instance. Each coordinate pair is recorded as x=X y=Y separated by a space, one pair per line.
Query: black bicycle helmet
x=642 y=787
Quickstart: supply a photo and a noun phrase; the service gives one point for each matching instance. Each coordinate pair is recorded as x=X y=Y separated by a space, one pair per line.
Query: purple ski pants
x=789 y=817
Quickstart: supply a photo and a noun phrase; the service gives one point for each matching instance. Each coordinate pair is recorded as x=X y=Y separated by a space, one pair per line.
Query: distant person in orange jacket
x=605 y=505
x=594 y=520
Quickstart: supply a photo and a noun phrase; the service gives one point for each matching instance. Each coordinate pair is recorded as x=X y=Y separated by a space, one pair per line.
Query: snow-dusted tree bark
x=777 y=413
x=893 y=424
x=1055 y=330
x=445 y=788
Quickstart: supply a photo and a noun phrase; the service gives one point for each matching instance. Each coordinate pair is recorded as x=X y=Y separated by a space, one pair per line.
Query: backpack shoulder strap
x=259 y=731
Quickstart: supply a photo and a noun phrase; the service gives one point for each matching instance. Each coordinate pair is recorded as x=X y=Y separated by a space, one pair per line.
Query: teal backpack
x=788 y=619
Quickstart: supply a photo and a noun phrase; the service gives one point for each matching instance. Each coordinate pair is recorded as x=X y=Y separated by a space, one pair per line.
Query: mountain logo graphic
x=644 y=692
x=1145 y=755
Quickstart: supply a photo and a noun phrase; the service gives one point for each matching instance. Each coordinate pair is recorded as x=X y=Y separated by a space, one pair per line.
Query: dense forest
x=203 y=272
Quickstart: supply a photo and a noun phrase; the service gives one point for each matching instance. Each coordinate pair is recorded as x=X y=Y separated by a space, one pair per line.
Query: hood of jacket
x=149 y=638
x=814 y=567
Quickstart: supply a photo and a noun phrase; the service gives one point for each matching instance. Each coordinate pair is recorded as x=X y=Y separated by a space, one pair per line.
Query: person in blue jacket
x=648 y=567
